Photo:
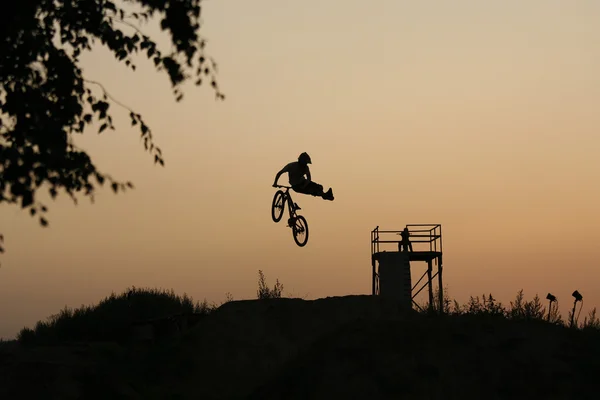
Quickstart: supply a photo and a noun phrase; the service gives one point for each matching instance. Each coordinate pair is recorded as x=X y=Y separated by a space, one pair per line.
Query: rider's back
x=296 y=172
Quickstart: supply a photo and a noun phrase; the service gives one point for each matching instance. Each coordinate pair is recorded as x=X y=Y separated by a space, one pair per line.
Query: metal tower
x=426 y=240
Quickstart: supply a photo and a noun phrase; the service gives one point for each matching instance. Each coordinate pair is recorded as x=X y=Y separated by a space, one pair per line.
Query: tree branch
x=108 y=94
x=129 y=24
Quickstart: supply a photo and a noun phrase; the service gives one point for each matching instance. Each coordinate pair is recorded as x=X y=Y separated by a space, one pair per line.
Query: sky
x=479 y=116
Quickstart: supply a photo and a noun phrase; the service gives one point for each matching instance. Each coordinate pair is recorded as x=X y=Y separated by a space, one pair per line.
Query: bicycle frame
x=287 y=197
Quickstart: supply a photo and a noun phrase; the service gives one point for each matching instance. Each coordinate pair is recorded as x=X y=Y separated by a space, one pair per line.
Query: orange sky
x=481 y=116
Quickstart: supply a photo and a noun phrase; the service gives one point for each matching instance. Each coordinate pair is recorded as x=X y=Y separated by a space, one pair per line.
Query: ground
x=338 y=347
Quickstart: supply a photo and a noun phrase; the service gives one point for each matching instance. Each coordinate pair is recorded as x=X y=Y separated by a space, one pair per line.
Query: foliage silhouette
x=591 y=321
x=291 y=349
x=264 y=292
x=112 y=316
x=45 y=98
x=519 y=309
x=110 y=319
x=228 y=297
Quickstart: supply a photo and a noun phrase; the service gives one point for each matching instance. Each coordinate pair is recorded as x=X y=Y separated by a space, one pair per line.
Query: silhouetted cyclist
x=296 y=171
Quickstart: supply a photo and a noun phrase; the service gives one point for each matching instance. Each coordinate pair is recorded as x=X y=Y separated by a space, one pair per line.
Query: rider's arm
x=283 y=170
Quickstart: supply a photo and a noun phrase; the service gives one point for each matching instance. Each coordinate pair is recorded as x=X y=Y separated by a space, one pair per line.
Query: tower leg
x=430 y=284
x=441 y=287
x=374 y=274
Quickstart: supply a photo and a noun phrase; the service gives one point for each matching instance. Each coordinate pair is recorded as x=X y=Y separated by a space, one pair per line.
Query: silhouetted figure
x=405 y=243
x=296 y=171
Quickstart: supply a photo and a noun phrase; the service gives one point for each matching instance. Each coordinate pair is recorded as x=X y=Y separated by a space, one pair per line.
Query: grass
x=109 y=319
x=481 y=332
x=518 y=309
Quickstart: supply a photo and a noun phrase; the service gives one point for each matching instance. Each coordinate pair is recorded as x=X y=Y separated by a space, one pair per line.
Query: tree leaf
x=61 y=99
x=26 y=199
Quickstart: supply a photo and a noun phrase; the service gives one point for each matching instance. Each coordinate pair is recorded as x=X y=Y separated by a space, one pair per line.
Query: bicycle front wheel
x=277 y=207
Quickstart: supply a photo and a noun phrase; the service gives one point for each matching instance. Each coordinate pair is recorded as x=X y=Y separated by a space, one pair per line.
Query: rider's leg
x=314 y=189
x=328 y=195
x=311 y=188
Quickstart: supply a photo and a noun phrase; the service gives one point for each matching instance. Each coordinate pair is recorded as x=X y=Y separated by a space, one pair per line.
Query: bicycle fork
x=292 y=218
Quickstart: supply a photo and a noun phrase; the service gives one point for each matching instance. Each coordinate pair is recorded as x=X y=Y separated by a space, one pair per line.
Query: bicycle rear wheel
x=300 y=231
x=278 y=205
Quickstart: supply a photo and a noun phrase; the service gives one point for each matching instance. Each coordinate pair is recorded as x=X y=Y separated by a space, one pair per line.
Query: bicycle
x=296 y=222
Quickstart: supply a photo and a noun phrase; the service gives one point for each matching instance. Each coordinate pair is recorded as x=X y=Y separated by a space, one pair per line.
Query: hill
x=337 y=347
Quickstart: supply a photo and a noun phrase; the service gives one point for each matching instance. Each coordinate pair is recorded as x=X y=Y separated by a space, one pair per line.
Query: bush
x=519 y=309
x=264 y=292
x=111 y=319
x=591 y=321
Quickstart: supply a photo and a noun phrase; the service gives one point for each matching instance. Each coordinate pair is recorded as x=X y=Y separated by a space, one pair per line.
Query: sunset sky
x=478 y=115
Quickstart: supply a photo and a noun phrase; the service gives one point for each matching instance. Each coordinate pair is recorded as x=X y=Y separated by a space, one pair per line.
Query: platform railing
x=430 y=234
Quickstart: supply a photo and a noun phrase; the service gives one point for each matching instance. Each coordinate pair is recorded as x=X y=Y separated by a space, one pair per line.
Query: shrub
x=519 y=309
x=591 y=321
x=264 y=292
x=111 y=319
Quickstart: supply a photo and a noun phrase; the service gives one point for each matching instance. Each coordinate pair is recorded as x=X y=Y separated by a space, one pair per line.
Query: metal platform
x=426 y=240
x=416 y=255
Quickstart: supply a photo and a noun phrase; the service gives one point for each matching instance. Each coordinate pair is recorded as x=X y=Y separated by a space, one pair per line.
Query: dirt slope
x=455 y=358
x=340 y=347
x=243 y=343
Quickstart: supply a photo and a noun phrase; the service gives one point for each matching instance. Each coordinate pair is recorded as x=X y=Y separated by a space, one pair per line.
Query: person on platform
x=405 y=244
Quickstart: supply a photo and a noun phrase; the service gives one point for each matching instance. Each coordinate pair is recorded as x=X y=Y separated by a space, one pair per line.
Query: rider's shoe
x=297 y=207
x=328 y=195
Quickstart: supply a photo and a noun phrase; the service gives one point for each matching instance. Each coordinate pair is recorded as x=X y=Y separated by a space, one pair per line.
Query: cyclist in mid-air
x=296 y=171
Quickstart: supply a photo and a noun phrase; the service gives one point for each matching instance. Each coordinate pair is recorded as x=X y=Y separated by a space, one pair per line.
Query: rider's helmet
x=304 y=158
